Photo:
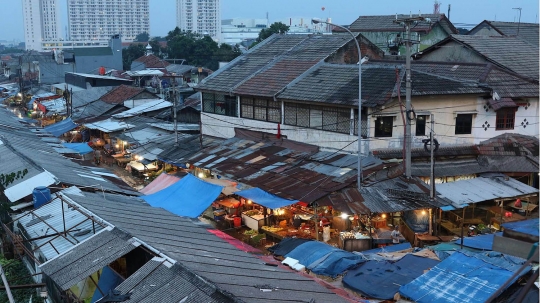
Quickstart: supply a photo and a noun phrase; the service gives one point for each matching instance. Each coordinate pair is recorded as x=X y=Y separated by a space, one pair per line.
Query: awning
x=81 y=148
x=503 y=102
x=264 y=198
x=61 y=127
x=161 y=182
x=188 y=197
x=229 y=187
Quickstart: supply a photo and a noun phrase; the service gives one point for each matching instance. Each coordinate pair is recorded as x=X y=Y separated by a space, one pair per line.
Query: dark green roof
x=91 y=51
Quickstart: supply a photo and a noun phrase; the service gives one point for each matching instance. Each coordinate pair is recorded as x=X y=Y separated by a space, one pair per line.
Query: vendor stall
x=254 y=219
x=354 y=241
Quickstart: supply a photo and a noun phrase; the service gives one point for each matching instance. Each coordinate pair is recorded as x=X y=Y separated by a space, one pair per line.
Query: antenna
x=519 y=22
x=436 y=7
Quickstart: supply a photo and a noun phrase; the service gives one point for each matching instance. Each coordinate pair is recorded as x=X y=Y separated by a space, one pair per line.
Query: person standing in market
x=395 y=235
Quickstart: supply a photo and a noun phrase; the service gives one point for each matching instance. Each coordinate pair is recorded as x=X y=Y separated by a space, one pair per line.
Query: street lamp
x=360 y=61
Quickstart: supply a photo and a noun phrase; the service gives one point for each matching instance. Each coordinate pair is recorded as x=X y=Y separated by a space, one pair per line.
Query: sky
x=465 y=13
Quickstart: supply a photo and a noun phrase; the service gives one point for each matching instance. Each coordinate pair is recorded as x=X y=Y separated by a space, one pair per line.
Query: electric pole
x=407 y=22
x=432 y=172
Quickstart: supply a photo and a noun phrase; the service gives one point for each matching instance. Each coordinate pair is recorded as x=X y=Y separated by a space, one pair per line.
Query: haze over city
x=163 y=15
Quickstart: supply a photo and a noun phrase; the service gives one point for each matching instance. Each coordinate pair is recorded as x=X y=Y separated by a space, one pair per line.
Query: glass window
x=384 y=126
x=464 y=124
x=421 y=125
x=219 y=104
x=505 y=118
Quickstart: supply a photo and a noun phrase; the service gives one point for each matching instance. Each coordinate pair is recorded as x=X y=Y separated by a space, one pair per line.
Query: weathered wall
x=453 y=52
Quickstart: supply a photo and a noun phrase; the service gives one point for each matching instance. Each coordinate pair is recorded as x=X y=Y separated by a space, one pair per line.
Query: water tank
x=41 y=195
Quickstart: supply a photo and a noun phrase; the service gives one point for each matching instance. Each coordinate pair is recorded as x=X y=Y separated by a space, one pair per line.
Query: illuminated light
x=141 y=158
x=117 y=145
x=249 y=201
x=201 y=175
x=423 y=212
x=344 y=215
x=384 y=216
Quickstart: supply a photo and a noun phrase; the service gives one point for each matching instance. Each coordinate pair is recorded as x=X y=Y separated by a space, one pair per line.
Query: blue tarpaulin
x=107 y=281
x=482 y=242
x=382 y=279
x=264 y=198
x=60 y=128
x=188 y=197
x=462 y=277
x=530 y=227
x=81 y=148
x=324 y=259
x=389 y=248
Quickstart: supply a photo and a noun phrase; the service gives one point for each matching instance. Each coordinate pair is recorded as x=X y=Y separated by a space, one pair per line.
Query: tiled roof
x=510 y=145
x=495 y=49
x=385 y=23
x=505 y=83
x=152 y=61
x=271 y=65
x=397 y=153
x=338 y=84
x=121 y=94
x=199 y=252
x=527 y=31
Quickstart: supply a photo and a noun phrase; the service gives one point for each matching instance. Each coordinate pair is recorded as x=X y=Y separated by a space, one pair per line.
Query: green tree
x=275 y=28
x=18 y=274
x=131 y=53
x=226 y=53
x=142 y=37
x=156 y=47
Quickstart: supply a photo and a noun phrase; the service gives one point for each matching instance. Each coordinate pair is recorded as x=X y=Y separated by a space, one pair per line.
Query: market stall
x=354 y=241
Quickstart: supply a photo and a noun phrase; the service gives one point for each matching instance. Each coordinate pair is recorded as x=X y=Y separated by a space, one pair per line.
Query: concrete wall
x=444 y=108
x=453 y=52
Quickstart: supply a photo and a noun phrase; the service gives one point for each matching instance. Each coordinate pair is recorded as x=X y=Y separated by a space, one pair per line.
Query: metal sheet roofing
x=51 y=213
x=150 y=106
x=25 y=188
x=109 y=126
x=232 y=271
x=493 y=187
x=97 y=251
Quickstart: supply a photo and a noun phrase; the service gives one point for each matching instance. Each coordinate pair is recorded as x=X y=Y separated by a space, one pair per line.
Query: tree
x=142 y=37
x=130 y=54
x=17 y=274
x=156 y=47
x=275 y=28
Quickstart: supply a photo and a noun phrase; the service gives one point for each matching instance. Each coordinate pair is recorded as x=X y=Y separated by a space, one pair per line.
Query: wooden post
x=462 y=221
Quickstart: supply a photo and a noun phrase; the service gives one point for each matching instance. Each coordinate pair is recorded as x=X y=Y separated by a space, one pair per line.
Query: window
x=383 y=126
x=463 y=124
x=334 y=119
x=421 y=125
x=260 y=109
x=505 y=118
x=219 y=104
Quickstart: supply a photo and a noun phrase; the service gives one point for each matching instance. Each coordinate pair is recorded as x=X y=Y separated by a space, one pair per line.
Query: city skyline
x=163 y=12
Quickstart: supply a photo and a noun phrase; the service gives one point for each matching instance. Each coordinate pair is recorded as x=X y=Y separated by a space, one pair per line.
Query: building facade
x=199 y=16
x=40 y=22
x=99 y=20
x=239 y=30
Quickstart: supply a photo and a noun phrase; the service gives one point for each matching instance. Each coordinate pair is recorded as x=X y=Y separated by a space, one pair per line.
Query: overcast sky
x=163 y=18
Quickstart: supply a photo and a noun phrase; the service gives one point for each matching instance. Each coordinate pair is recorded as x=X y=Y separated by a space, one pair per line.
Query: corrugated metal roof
x=25 y=188
x=150 y=106
x=52 y=214
x=81 y=261
x=492 y=187
x=109 y=126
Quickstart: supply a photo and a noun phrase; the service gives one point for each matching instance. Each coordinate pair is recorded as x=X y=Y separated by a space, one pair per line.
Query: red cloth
x=518 y=203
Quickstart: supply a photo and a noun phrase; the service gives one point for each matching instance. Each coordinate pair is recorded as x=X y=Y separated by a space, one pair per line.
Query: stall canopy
x=80 y=148
x=161 y=182
x=188 y=197
x=61 y=127
x=464 y=277
x=482 y=242
x=382 y=279
x=264 y=198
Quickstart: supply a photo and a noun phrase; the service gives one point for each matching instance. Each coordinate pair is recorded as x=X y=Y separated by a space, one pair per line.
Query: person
x=395 y=235
x=97 y=157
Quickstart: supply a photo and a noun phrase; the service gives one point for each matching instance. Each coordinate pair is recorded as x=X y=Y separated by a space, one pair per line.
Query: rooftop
x=152 y=61
x=121 y=94
x=385 y=23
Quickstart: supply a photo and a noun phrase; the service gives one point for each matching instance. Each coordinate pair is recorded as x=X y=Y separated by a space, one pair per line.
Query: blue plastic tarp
x=382 y=279
x=81 y=148
x=324 y=259
x=188 y=197
x=482 y=242
x=462 y=277
x=60 y=128
x=529 y=227
x=389 y=248
x=107 y=281
x=264 y=198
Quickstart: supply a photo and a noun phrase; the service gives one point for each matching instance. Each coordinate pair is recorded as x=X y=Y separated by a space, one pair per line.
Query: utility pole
x=407 y=22
x=432 y=172
x=174 y=111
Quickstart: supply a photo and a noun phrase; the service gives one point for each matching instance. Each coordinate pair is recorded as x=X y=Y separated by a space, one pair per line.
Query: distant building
x=40 y=18
x=303 y=25
x=241 y=30
x=98 y=20
x=199 y=16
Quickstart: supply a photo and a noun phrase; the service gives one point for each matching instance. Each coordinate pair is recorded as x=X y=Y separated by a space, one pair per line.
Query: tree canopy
x=131 y=53
x=275 y=28
x=142 y=37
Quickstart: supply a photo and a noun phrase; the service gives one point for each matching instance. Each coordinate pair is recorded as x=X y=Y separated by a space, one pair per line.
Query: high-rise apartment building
x=101 y=19
x=40 y=22
x=199 y=16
